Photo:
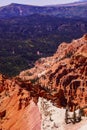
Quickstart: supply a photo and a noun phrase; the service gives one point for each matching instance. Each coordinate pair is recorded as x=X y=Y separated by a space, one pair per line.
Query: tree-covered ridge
x=25 y=39
x=77 y=9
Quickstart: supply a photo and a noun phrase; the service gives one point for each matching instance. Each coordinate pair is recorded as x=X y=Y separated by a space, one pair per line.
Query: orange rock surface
x=61 y=78
x=64 y=74
x=17 y=109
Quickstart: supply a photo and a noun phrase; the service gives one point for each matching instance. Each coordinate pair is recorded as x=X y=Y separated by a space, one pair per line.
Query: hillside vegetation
x=31 y=34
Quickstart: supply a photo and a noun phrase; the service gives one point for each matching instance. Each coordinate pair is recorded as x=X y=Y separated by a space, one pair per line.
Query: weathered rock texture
x=17 y=108
x=61 y=78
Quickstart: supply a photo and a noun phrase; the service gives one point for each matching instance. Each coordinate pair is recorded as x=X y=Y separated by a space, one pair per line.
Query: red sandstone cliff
x=64 y=75
x=17 y=108
x=61 y=78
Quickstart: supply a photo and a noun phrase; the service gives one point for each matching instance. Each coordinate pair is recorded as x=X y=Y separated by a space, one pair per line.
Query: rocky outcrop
x=62 y=79
x=64 y=75
x=17 y=107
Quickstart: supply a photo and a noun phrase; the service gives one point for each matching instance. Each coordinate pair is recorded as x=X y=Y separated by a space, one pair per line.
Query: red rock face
x=64 y=74
x=17 y=108
x=61 y=78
